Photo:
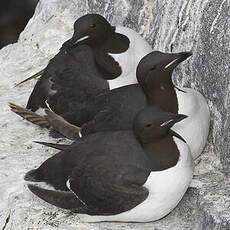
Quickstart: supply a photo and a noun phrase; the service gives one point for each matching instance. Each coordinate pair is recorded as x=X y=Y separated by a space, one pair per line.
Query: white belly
x=129 y=60
x=166 y=189
x=195 y=128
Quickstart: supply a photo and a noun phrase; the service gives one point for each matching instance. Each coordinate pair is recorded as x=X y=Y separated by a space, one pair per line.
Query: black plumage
x=155 y=88
x=79 y=72
x=115 y=109
x=69 y=84
x=106 y=171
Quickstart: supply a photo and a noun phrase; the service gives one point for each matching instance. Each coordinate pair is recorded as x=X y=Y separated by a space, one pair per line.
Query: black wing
x=61 y=199
x=109 y=190
x=118 y=112
x=42 y=88
x=69 y=83
x=40 y=93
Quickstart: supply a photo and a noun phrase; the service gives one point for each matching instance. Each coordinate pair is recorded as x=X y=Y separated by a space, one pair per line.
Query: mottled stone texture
x=172 y=26
x=204 y=28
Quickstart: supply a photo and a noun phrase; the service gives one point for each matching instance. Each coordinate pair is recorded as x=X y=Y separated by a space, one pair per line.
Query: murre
x=136 y=175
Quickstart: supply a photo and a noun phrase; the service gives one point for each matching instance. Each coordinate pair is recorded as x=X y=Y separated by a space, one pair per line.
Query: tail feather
x=61 y=125
x=61 y=199
x=31 y=77
x=29 y=115
x=53 y=145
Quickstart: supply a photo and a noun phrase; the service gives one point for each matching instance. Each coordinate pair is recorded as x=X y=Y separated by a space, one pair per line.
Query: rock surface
x=200 y=26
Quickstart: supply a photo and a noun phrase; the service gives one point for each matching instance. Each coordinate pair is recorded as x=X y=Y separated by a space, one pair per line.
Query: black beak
x=179 y=117
x=176 y=59
x=183 y=56
x=66 y=46
x=78 y=38
x=173 y=119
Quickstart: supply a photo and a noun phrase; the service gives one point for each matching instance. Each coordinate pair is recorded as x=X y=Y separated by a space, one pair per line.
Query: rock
x=14 y=16
x=200 y=26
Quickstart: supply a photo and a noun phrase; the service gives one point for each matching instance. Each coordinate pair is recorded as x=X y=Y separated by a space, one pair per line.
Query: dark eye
x=153 y=68
x=149 y=125
x=93 y=26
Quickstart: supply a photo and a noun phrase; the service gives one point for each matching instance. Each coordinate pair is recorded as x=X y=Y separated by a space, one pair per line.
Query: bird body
x=159 y=201
x=97 y=58
x=69 y=83
x=136 y=175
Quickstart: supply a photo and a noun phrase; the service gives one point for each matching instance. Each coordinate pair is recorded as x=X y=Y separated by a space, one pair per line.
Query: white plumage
x=195 y=128
x=129 y=60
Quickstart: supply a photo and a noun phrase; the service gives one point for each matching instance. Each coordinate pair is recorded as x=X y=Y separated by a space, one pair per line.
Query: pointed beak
x=67 y=45
x=75 y=40
x=177 y=59
x=183 y=56
x=173 y=119
x=179 y=117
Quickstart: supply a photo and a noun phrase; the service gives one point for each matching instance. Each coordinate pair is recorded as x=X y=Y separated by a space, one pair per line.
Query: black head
x=156 y=67
x=153 y=123
x=90 y=29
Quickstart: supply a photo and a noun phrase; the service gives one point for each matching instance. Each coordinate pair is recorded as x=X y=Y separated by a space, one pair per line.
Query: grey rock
x=171 y=26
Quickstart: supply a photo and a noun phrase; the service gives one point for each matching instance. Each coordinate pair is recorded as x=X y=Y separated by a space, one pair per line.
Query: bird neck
x=163 y=95
x=162 y=153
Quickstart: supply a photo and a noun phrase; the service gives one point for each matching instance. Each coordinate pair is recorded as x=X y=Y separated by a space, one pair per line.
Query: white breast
x=195 y=128
x=129 y=60
x=166 y=189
